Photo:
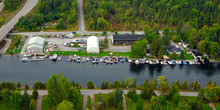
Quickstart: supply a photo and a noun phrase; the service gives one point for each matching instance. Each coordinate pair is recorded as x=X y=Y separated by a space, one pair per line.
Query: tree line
x=11 y=5
x=128 y=14
x=63 y=12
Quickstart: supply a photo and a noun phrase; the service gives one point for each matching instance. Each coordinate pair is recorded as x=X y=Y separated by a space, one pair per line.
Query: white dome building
x=92 y=45
x=36 y=45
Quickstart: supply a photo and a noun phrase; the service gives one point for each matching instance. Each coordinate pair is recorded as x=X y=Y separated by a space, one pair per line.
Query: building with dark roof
x=196 y=54
x=125 y=39
x=173 y=49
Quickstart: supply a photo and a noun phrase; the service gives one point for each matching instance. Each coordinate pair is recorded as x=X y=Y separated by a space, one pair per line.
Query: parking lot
x=60 y=43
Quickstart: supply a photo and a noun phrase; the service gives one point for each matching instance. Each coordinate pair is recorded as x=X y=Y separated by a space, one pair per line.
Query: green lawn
x=89 y=103
x=3 y=106
x=83 y=53
x=46 y=104
x=217 y=105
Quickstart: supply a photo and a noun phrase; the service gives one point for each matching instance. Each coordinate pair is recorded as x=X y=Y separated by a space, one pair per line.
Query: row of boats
x=111 y=60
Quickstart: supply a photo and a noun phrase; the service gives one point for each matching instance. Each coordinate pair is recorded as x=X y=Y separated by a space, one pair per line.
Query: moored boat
x=137 y=62
x=54 y=57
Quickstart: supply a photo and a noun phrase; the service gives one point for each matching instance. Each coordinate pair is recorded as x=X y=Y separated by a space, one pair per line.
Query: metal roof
x=127 y=37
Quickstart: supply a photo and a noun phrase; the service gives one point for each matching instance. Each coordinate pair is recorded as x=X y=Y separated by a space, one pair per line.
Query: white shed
x=35 y=44
x=92 y=45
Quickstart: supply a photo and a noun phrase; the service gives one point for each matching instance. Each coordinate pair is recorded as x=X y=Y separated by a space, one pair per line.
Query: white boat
x=51 y=57
x=191 y=62
x=170 y=62
x=129 y=60
x=42 y=57
x=27 y=55
x=87 y=59
x=93 y=60
x=54 y=58
x=101 y=60
x=136 y=62
x=24 y=59
x=147 y=61
x=78 y=59
x=83 y=59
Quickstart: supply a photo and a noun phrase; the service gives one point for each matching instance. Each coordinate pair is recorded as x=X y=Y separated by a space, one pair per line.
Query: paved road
x=1 y=6
x=81 y=26
x=85 y=97
x=85 y=93
x=27 y=7
x=8 y=42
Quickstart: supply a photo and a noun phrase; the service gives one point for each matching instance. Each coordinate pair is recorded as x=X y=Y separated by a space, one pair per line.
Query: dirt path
x=39 y=100
x=124 y=103
x=212 y=106
x=93 y=101
x=8 y=42
x=85 y=96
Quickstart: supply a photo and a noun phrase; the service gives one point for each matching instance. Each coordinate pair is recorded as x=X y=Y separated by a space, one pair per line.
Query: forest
x=128 y=14
x=64 y=13
x=11 y=5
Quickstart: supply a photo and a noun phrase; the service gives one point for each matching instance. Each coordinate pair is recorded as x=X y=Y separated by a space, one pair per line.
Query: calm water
x=14 y=70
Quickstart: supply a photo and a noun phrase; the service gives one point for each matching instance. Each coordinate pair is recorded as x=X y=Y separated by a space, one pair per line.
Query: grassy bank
x=83 y=53
x=100 y=98
x=16 y=45
x=6 y=16
x=217 y=105
x=89 y=103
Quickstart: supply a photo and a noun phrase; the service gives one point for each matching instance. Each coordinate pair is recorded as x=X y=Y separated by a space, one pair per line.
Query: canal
x=12 y=69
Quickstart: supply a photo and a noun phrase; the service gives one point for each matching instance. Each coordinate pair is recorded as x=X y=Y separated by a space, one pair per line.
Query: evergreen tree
x=191 y=86
x=140 y=104
x=103 y=85
x=185 y=85
x=107 y=85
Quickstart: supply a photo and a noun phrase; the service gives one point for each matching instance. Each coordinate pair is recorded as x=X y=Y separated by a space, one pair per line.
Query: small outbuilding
x=196 y=54
x=92 y=44
x=174 y=49
x=36 y=45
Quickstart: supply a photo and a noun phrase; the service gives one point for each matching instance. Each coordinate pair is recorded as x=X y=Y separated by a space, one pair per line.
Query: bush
x=90 y=85
x=35 y=94
x=26 y=86
x=140 y=104
x=39 y=85
x=120 y=107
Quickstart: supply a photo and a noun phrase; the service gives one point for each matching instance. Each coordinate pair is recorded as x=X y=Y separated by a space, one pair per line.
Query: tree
x=191 y=85
x=147 y=91
x=134 y=85
x=119 y=96
x=16 y=98
x=154 y=103
x=215 y=84
x=209 y=83
x=90 y=85
x=154 y=84
x=161 y=52
x=138 y=48
x=182 y=57
x=18 y=85
x=135 y=97
x=5 y=94
x=163 y=99
x=132 y=31
x=59 y=89
x=173 y=90
x=183 y=105
x=65 y=105
x=140 y=104
x=173 y=56
x=197 y=86
x=35 y=94
x=185 y=85
x=26 y=87
x=210 y=93
x=163 y=85
x=31 y=107
x=201 y=46
x=103 y=85
x=214 y=49
x=176 y=99
x=120 y=107
x=107 y=85
x=178 y=83
x=155 y=46
x=26 y=100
